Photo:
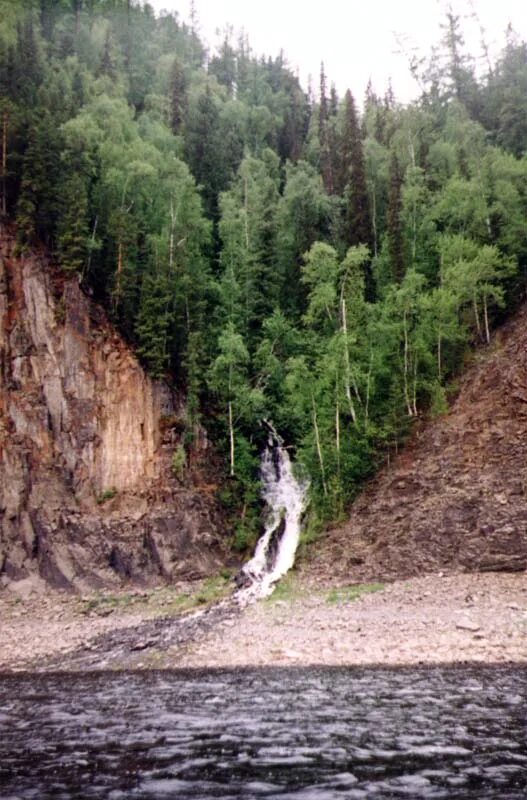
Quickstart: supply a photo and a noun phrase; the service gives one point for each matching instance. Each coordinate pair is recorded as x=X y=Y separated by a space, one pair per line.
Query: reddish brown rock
x=81 y=422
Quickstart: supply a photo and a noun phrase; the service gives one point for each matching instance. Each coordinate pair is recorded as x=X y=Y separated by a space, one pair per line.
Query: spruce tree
x=73 y=228
x=107 y=65
x=352 y=178
x=210 y=151
x=178 y=96
x=37 y=207
x=357 y=219
x=393 y=220
x=325 y=136
x=27 y=65
x=248 y=233
x=154 y=322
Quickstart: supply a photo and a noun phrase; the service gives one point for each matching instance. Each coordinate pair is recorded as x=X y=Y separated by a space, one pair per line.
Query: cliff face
x=456 y=496
x=87 y=497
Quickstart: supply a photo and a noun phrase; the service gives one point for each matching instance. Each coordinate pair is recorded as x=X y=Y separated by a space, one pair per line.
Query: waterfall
x=285 y=497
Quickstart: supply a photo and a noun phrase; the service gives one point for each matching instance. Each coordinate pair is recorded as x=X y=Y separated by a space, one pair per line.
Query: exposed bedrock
x=87 y=497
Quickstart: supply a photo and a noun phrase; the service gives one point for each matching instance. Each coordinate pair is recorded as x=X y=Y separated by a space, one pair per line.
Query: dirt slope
x=456 y=497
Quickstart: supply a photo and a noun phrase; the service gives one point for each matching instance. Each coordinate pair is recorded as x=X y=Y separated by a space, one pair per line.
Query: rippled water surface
x=310 y=734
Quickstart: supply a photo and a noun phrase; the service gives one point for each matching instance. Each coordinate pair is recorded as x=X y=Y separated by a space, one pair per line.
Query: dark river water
x=308 y=734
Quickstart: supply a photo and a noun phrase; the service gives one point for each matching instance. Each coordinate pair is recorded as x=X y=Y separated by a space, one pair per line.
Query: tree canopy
x=273 y=254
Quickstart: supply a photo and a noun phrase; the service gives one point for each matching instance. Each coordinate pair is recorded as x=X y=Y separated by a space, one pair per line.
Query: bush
x=246 y=534
x=439 y=403
x=106 y=495
x=179 y=461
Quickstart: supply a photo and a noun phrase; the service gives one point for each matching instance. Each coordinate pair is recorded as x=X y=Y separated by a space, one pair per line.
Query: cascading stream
x=285 y=496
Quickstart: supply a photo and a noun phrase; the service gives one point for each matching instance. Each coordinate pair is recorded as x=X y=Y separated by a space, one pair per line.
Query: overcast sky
x=355 y=39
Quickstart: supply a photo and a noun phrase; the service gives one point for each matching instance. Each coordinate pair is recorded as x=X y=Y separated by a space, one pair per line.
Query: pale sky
x=356 y=40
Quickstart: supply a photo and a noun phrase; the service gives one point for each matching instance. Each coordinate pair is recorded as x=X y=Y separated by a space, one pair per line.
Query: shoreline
x=451 y=619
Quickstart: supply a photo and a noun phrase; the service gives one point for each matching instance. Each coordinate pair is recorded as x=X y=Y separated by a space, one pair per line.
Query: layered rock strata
x=87 y=497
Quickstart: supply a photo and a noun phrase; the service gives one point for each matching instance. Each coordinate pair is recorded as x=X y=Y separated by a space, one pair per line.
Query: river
x=308 y=734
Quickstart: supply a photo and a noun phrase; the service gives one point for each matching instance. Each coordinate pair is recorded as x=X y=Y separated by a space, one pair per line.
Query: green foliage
x=246 y=533
x=347 y=594
x=273 y=255
x=154 y=320
x=213 y=589
x=312 y=530
x=438 y=400
x=287 y=590
x=73 y=233
x=179 y=461
x=107 y=494
x=163 y=601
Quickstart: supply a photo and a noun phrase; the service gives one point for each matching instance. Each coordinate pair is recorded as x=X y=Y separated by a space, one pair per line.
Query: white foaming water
x=285 y=497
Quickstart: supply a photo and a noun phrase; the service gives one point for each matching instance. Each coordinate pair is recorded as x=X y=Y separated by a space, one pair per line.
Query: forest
x=273 y=252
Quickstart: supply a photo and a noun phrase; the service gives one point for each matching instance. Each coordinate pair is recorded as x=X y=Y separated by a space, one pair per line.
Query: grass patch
x=287 y=589
x=165 y=601
x=213 y=589
x=101 y=603
x=347 y=594
x=209 y=591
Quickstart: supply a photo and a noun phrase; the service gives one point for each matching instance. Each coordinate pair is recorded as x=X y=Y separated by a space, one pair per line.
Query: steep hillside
x=87 y=494
x=456 y=497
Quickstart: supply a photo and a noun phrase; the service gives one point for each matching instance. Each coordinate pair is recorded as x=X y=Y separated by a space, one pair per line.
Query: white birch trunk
x=414 y=398
x=486 y=318
x=319 y=447
x=406 y=368
x=476 y=316
x=368 y=386
x=347 y=382
x=231 y=439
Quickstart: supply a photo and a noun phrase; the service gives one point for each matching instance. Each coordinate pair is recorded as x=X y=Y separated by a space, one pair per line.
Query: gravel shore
x=433 y=619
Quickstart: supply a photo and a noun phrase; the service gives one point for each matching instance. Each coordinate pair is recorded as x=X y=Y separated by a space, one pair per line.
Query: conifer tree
x=154 y=322
x=213 y=148
x=325 y=136
x=393 y=220
x=27 y=64
x=223 y=65
x=352 y=180
x=460 y=72
x=248 y=233
x=37 y=207
x=73 y=228
x=107 y=66
x=303 y=217
x=178 y=96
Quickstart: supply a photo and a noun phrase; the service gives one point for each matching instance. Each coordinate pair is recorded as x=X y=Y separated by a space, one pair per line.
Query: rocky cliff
x=456 y=496
x=87 y=494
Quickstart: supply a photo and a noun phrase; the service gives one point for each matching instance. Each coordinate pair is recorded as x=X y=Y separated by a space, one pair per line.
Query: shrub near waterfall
x=179 y=462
